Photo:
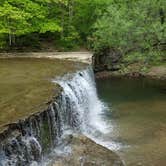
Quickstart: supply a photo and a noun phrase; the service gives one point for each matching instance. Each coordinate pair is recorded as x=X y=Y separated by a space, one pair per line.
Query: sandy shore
x=85 y=57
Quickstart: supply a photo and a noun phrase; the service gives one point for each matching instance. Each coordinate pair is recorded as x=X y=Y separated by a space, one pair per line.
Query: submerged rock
x=86 y=152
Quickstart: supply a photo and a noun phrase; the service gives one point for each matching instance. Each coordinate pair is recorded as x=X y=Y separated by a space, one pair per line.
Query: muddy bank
x=135 y=71
x=85 y=152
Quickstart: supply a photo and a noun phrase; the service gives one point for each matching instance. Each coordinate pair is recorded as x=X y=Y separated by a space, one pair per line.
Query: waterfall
x=77 y=109
x=80 y=102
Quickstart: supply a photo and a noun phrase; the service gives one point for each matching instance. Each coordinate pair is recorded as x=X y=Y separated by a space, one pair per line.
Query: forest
x=136 y=28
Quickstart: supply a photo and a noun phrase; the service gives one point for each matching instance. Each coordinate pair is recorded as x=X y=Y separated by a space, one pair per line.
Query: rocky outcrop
x=86 y=152
x=28 y=140
x=136 y=70
x=106 y=59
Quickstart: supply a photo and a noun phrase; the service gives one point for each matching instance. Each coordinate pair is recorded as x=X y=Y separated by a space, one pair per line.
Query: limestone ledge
x=86 y=152
x=26 y=86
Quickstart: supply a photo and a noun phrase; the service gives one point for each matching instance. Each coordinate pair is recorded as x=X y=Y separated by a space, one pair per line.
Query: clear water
x=136 y=117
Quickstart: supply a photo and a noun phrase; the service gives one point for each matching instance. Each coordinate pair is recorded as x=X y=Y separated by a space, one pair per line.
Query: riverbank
x=82 y=56
x=136 y=70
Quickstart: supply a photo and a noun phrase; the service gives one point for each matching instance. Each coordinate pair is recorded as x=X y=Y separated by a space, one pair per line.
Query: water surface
x=26 y=87
x=136 y=116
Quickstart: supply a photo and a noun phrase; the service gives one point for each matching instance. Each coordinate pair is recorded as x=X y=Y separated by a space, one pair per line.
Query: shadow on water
x=137 y=118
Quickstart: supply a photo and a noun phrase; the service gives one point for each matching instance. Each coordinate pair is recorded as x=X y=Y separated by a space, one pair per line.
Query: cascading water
x=80 y=102
x=77 y=109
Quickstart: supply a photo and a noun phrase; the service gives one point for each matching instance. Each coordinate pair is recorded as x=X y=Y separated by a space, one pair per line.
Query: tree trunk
x=14 y=40
x=10 y=39
x=162 y=16
x=70 y=8
x=62 y=20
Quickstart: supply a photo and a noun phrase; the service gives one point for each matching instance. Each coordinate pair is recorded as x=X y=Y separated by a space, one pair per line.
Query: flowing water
x=129 y=118
x=136 y=117
x=77 y=109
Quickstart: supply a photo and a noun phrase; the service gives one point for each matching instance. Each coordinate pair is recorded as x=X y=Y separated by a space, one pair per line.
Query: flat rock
x=86 y=152
x=26 y=85
x=157 y=72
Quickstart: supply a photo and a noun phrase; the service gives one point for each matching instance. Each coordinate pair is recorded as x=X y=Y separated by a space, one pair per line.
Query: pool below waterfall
x=136 y=118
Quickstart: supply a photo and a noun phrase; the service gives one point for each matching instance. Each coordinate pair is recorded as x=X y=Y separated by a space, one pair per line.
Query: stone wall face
x=106 y=59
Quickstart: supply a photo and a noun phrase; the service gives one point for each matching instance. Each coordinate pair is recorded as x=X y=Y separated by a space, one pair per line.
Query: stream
x=37 y=139
x=126 y=116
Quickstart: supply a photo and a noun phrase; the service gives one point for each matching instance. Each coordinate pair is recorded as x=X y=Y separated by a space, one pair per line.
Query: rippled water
x=136 y=117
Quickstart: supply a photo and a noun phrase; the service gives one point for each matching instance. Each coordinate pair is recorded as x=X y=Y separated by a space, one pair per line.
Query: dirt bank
x=137 y=70
x=85 y=57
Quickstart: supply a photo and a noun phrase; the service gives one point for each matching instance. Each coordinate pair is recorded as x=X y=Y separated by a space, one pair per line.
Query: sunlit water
x=136 y=117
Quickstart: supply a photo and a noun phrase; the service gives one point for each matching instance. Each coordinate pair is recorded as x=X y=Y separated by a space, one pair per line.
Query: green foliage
x=2 y=41
x=134 y=27
x=70 y=38
x=19 y=18
x=50 y=26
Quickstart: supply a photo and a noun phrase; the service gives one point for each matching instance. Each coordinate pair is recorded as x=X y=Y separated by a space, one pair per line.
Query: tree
x=25 y=17
x=123 y=25
x=131 y=26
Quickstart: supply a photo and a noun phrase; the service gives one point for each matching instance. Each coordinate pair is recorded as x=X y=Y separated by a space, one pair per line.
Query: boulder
x=86 y=152
x=106 y=59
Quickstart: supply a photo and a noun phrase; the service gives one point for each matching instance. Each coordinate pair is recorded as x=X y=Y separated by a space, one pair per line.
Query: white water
x=78 y=109
x=80 y=88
